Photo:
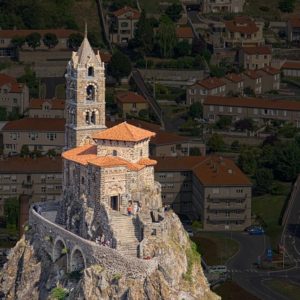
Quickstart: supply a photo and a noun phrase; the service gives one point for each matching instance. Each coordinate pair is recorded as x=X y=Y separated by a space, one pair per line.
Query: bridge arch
x=78 y=260
x=60 y=253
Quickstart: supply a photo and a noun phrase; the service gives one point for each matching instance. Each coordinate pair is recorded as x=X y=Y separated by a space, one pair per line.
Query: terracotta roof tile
x=210 y=170
x=241 y=24
x=211 y=83
x=167 y=138
x=184 y=32
x=11 y=82
x=234 y=77
x=35 y=124
x=124 y=132
x=263 y=50
x=252 y=102
x=105 y=56
x=130 y=97
x=54 y=103
x=293 y=65
x=270 y=70
x=294 y=22
x=130 y=12
x=252 y=74
x=60 y=33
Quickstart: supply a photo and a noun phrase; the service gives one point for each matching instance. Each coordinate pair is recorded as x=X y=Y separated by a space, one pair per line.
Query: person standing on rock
x=129 y=210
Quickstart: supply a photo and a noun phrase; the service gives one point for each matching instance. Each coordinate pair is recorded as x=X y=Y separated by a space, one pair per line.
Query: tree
x=287 y=6
x=120 y=65
x=166 y=36
x=264 y=179
x=244 y=124
x=183 y=48
x=50 y=40
x=196 y=110
x=33 y=40
x=174 y=12
x=235 y=145
x=25 y=151
x=195 y=151
x=31 y=81
x=249 y=91
x=216 y=143
x=288 y=130
x=18 y=41
x=94 y=39
x=248 y=160
x=224 y=122
x=11 y=212
x=3 y=113
x=75 y=40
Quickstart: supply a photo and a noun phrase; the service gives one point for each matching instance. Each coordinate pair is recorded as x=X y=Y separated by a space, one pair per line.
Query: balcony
x=225 y=199
x=223 y=217
x=27 y=184
x=227 y=206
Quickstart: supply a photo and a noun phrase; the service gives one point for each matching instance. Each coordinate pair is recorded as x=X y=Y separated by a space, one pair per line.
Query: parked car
x=218 y=269
x=257 y=230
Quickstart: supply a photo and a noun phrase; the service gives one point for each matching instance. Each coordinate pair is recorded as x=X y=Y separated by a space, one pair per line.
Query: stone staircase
x=127 y=234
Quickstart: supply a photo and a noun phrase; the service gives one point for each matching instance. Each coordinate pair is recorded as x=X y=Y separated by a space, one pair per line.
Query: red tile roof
x=252 y=74
x=234 y=77
x=211 y=83
x=11 y=82
x=35 y=124
x=54 y=103
x=210 y=170
x=60 y=33
x=105 y=56
x=44 y=164
x=253 y=103
x=129 y=12
x=294 y=22
x=124 y=132
x=263 y=50
x=241 y=24
x=270 y=70
x=293 y=65
x=130 y=97
x=167 y=138
x=184 y=32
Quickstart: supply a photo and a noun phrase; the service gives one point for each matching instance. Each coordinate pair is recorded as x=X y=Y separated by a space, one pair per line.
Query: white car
x=218 y=269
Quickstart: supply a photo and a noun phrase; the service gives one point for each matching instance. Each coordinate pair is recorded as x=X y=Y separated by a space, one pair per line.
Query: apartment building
x=270 y=79
x=234 y=84
x=14 y=96
x=39 y=178
x=46 y=108
x=123 y=24
x=259 y=110
x=293 y=29
x=184 y=33
x=130 y=103
x=291 y=69
x=40 y=134
x=208 y=86
x=254 y=58
x=242 y=31
x=211 y=189
x=222 y=6
x=253 y=80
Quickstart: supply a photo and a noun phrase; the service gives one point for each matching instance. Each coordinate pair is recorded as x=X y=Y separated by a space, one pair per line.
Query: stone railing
x=110 y=259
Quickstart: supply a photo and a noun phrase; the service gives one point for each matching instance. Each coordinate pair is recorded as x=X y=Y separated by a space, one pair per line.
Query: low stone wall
x=110 y=259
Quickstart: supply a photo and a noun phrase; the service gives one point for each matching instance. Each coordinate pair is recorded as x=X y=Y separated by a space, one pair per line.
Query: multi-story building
x=254 y=58
x=291 y=69
x=259 y=110
x=39 y=178
x=222 y=6
x=253 y=80
x=211 y=189
x=123 y=24
x=243 y=32
x=40 y=134
x=130 y=103
x=234 y=84
x=208 y=86
x=14 y=96
x=293 y=29
x=46 y=108
x=270 y=79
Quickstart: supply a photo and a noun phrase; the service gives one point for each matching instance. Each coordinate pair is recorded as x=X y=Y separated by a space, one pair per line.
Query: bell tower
x=85 y=96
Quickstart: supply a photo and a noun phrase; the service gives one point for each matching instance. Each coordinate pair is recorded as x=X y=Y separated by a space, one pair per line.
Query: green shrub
x=59 y=293
x=197 y=225
x=193 y=257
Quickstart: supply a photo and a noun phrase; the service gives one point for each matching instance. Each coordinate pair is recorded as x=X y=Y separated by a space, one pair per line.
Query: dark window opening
x=93 y=118
x=90 y=71
x=115 y=152
x=90 y=93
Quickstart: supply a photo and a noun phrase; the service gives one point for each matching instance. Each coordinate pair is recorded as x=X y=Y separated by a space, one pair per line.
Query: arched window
x=90 y=93
x=91 y=71
x=87 y=117
x=115 y=153
x=93 y=118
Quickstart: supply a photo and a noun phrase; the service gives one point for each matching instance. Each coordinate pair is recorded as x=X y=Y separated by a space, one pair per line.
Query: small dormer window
x=90 y=93
x=91 y=71
x=115 y=153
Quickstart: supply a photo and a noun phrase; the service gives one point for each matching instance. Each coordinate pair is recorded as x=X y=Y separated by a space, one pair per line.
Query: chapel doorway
x=114 y=203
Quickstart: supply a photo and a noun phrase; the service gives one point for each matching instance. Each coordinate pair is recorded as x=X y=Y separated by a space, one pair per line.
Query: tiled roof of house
x=54 y=103
x=252 y=74
x=270 y=70
x=130 y=97
x=138 y=123
x=43 y=164
x=211 y=83
x=252 y=102
x=184 y=32
x=87 y=154
x=35 y=124
x=234 y=77
x=294 y=65
x=167 y=138
x=11 y=82
x=210 y=170
x=10 y=33
x=130 y=13
x=294 y=22
x=124 y=132
x=105 y=56
x=262 y=50
x=241 y=24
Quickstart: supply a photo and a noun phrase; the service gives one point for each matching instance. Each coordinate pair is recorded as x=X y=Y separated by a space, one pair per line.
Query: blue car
x=256 y=231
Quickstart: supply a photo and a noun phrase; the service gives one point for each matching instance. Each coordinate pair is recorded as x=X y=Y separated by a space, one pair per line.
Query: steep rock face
x=30 y=273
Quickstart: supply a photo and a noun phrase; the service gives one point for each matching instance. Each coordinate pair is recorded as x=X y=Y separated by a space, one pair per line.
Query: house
x=123 y=24
x=46 y=108
x=260 y=110
x=222 y=6
x=39 y=178
x=253 y=81
x=234 y=84
x=293 y=29
x=208 y=86
x=242 y=31
x=210 y=189
x=254 y=58
x=185 y=34
x=270 y=79
x=130 y=103
x=7 y=49
x=40 y=134
x=14 y=96
x=291 y=69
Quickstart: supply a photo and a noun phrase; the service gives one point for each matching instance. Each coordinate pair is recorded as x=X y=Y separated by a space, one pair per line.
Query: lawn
x=216 y=248
x=153 y=6
x=261 y=207
x=231 y=291
x=287 y=288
